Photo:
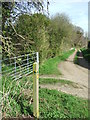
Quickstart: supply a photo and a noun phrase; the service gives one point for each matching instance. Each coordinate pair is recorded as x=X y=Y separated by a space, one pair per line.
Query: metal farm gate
x=20 y=76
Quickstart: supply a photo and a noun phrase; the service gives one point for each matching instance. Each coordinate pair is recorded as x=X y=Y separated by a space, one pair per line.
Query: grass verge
x=53 y=81
x=16 y=97
x=54 y=104
x=51 y=65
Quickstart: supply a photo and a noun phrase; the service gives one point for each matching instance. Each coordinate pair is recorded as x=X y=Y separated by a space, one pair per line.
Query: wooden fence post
x=36 y=89
x=15 y=66
x=0 y=89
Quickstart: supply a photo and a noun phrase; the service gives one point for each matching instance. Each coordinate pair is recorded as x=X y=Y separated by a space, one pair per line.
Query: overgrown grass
x=54 y=81
x=16 y=97
x=51 y=66
x=54 y=104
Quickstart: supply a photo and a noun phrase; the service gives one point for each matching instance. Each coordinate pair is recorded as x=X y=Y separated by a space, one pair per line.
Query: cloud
x=67 y=1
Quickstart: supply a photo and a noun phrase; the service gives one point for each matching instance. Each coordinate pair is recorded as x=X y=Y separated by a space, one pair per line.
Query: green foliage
x=37 y=32
x=17 y=96
x=54 y=104
x=33 y=28
x=50 y=36
x=50 y=66
x=6 y=11
x=54 y=81
x=86 y=53
x=60 y=33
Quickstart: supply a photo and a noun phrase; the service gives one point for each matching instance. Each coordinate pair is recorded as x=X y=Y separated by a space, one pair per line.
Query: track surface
x=74 y=73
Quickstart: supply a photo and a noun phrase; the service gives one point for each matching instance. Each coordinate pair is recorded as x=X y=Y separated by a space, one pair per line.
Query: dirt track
x=74 y=73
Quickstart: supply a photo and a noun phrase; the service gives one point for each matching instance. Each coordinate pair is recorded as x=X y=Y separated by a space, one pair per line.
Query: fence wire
x=15 y=85
x=16 y=67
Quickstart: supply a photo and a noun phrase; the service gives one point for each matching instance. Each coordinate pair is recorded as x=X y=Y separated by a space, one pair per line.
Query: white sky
x=68 y=1
x=77 y=10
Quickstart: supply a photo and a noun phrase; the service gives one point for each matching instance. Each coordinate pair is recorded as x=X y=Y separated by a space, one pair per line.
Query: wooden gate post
x=36 y=89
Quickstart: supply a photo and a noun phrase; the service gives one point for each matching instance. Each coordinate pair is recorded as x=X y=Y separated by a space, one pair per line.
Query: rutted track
x=71 y=72
x=74 y=72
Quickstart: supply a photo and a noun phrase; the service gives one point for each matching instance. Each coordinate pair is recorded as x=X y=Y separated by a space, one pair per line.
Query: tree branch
x=31 y=42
